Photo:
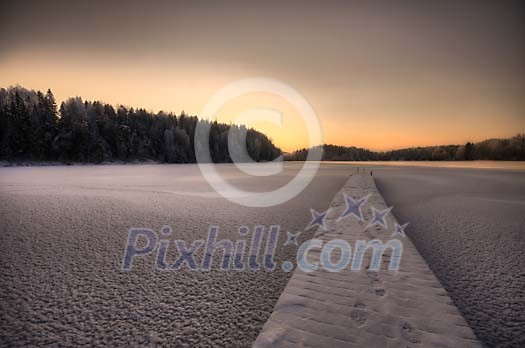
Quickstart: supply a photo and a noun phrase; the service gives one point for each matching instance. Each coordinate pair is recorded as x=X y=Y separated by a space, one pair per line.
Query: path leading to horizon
x=64 y=229
x=365 y=308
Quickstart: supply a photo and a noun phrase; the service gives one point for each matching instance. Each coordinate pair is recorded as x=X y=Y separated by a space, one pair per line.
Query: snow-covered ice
x=63 y=230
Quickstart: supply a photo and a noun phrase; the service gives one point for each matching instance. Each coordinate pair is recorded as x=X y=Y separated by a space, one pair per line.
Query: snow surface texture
x=63 y=230
x=407 y=308
x=469 y=226
x=62 y=237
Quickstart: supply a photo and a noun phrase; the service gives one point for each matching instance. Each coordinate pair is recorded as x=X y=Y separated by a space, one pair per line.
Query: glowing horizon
x=379 y=78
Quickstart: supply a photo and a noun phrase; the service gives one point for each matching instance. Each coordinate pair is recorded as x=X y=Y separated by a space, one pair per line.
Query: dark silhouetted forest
x=512 y=149
x=33 y=127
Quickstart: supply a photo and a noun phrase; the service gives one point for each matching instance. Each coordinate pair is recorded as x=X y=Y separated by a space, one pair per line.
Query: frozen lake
x=469 y=226
x=63 y=231
x=62 y=238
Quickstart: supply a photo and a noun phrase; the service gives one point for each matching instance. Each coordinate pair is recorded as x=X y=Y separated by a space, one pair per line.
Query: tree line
x=33 y=127
x=510 y=149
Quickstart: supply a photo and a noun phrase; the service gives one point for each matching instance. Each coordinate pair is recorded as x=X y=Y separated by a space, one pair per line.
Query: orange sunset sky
x=379 y=76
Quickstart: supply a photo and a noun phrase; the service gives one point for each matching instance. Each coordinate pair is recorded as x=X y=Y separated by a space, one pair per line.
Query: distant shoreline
x=469 y=164
x=21 y=163
x=496 y=149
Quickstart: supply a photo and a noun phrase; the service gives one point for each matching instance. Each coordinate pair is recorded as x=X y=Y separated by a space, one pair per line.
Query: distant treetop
x=31 y=128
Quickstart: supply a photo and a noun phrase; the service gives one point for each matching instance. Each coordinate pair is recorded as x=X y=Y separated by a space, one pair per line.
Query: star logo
x=292 y=238
x=379 y=217
x=353 y=207
x=318 y=219
x=400 y=230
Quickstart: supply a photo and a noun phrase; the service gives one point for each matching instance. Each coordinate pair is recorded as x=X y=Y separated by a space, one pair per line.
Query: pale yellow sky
x=379 y=77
